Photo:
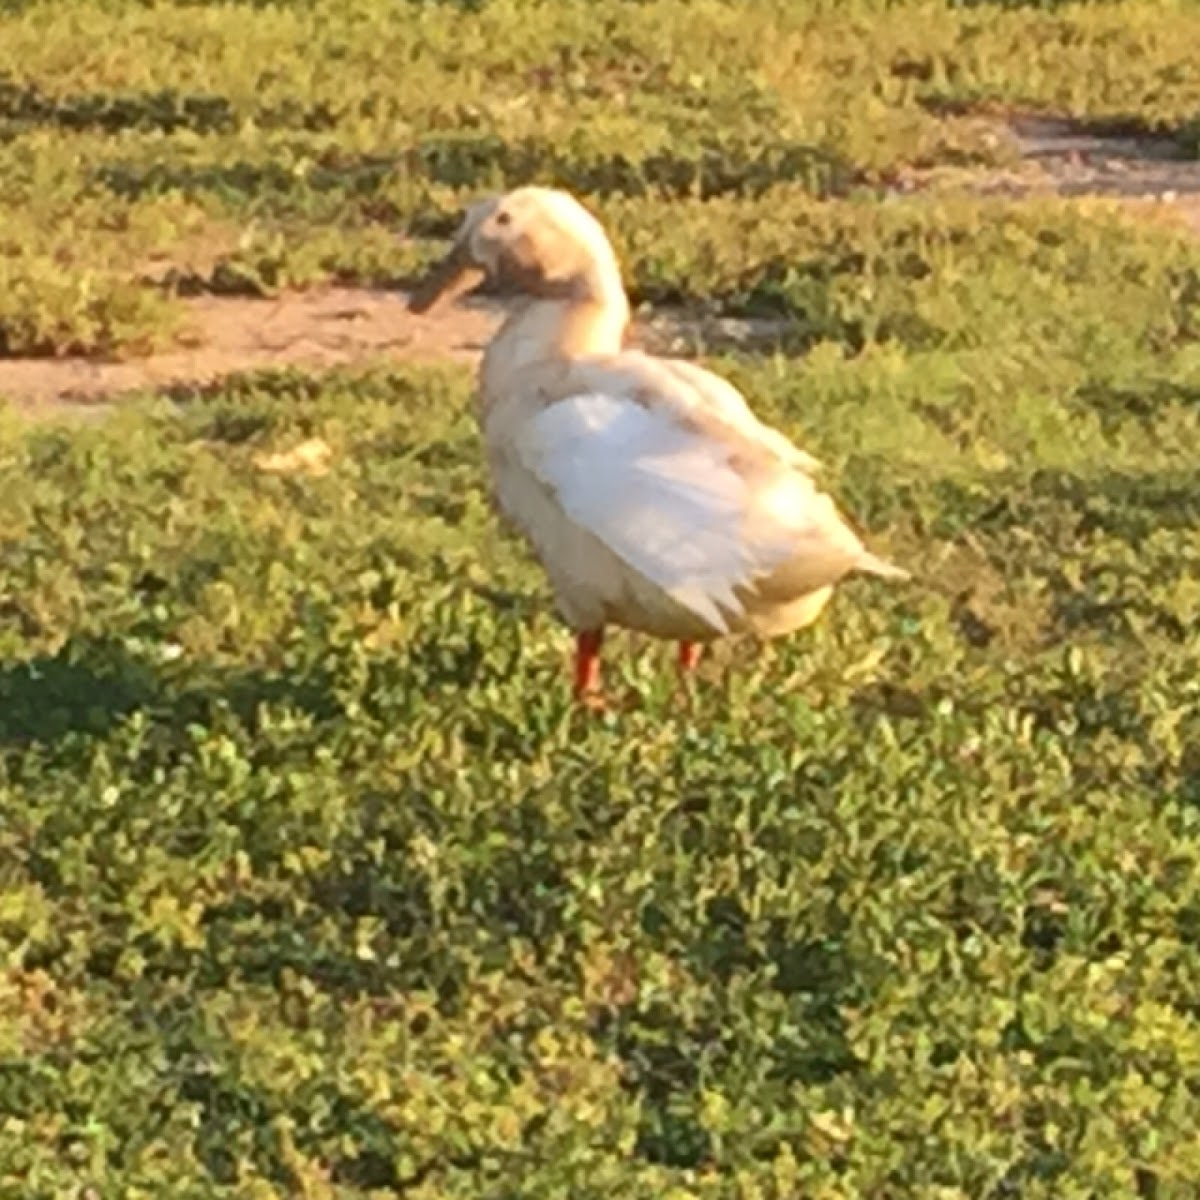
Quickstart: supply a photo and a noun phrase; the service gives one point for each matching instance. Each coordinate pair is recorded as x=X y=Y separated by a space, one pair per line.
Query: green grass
x=313 y=883
x=249 y=147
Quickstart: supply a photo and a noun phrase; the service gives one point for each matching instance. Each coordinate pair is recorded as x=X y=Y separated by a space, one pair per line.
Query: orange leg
x=587 y=661
x=689 y=656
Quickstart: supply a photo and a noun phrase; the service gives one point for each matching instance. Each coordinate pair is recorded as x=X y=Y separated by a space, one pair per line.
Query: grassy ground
x=312 y=883
x=245 y=147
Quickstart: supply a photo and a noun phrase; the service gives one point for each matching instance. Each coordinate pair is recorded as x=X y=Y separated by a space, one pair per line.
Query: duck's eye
x=503 y=218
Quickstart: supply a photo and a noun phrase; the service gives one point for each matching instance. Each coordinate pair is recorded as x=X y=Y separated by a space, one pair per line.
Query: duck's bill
x=454 y=276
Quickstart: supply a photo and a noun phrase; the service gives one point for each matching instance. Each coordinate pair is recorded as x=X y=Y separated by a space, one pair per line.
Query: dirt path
x=336 y=326
x=322 y=328
x=1057 y=157
x=229 y=334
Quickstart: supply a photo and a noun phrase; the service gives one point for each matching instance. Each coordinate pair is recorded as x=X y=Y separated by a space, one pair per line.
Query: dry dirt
x=337 y=326
x=1148 y=174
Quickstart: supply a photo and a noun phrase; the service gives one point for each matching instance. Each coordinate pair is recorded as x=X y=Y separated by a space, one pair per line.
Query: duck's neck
x=587 y=316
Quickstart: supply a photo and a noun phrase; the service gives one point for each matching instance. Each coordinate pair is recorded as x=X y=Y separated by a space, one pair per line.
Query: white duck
x=651 y=494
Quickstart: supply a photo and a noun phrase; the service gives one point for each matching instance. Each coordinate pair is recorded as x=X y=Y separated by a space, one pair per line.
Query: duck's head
x=534 y=241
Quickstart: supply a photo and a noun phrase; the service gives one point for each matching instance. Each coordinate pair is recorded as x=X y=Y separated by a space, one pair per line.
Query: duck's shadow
x=86 y=687
x=92 y=684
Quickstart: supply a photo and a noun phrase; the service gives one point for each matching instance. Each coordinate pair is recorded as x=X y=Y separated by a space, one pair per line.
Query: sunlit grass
x=317 y=139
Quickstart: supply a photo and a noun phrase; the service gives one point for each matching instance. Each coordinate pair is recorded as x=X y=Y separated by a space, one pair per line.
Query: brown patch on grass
x=318 y=329
x=985 y=604
x=1151 y=174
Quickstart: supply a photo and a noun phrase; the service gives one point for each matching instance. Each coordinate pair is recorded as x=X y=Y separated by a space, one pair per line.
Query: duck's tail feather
x=874 y=565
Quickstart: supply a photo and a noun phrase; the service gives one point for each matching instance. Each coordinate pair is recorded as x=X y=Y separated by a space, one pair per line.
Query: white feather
x=663 y=498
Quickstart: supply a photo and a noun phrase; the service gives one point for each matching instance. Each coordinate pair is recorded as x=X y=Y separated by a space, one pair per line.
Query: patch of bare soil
x=1149 y=174
x=337 y=326
x=227 y=335
x=316 y=329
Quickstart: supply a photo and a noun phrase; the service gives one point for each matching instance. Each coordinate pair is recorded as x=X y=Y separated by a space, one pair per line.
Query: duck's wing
x=723 y=401
x=698 y=510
